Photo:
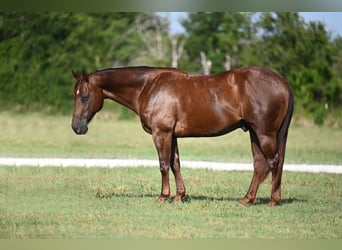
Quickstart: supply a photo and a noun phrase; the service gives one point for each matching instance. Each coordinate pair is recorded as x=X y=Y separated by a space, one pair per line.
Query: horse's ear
x=76 y=75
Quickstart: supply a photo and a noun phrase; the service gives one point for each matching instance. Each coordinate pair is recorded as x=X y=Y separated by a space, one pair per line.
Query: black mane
x=133 y=67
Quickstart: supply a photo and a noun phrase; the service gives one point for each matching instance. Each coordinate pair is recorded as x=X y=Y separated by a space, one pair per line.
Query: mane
x=138 y=68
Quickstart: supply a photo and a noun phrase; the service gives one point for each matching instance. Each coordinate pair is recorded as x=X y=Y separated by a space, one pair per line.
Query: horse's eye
x=85 y=98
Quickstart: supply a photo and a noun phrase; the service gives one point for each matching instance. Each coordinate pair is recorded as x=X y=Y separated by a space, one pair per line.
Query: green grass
x=121 y=203
x=35 y=135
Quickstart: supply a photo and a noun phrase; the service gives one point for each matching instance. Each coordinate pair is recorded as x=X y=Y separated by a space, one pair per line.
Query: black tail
x=283 y=131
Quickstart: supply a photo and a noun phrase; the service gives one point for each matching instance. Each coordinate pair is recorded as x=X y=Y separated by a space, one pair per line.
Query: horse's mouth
x=80 y=128
x=80 y=125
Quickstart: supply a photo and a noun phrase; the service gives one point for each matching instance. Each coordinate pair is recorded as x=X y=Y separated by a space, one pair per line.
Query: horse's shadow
x=259 y=201
x=190 y=198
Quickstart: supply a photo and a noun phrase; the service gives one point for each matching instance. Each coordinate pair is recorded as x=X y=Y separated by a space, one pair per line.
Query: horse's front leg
x=163 y=142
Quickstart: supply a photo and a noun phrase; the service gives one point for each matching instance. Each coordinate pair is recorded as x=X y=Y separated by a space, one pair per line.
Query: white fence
x=112 y=163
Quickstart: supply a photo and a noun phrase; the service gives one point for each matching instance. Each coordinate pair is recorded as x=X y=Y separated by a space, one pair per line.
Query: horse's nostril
x=80 y=130
x=77 y=129
x=79 y=126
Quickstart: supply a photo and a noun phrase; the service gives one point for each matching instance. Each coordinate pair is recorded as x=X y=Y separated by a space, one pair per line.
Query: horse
x=172 y=104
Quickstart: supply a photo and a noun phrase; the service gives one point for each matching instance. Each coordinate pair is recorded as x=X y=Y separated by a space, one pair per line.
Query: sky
x=332 y=20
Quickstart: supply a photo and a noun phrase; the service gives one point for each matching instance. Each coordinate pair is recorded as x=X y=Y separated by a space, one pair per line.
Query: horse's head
x=88 y=101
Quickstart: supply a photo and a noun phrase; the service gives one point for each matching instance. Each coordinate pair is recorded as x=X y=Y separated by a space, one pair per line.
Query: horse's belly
x=205 y=123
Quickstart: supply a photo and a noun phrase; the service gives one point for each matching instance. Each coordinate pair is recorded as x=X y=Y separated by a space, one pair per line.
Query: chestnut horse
x=172 y=104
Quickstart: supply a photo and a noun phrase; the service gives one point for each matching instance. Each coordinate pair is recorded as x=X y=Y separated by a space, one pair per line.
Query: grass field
x=51 y=136
x=120 y=203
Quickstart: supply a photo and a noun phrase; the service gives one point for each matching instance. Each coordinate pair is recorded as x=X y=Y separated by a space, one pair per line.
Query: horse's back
x=213 y=104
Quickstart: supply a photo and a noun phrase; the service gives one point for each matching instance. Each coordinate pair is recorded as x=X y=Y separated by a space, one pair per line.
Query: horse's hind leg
x=276 y=186
x=175 y=167
x=277 y=172
x=261 y=170
x=275 y=156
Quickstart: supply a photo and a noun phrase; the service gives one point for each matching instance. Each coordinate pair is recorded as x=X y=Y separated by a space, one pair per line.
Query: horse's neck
x=122 y=85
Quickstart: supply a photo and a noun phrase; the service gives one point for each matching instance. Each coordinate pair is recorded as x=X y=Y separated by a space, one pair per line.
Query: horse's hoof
x=245 y=201
x=179 y=198
x=241 y=204
x=273 y=203
x=162 y=199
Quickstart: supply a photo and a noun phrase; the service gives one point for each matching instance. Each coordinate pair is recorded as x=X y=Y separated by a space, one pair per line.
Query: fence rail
x=112 y=163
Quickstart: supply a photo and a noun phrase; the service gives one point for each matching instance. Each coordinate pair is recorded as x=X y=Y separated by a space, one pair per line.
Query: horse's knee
x=164 y=167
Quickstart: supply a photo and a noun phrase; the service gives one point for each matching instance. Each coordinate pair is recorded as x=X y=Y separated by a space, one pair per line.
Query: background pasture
x=120 y=203
x=39 y=135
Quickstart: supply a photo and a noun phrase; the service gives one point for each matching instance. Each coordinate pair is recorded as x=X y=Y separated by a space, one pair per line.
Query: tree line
x=39 y=50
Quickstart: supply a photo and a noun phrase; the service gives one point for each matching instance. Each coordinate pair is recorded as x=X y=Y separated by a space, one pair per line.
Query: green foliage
x=304 y=54
x=216 y=34
x=39 y=50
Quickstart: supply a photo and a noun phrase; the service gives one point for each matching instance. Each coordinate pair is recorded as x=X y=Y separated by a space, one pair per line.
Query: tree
x=217 y=36
x=153 y=31
x=334 y=93
x=39 y=50
x=302 y=52
x=177 y=43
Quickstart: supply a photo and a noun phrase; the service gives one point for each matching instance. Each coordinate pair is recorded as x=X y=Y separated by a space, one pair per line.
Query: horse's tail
x=283 y=131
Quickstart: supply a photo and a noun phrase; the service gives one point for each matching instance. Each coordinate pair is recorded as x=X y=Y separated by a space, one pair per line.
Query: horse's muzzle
x=80 y=128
